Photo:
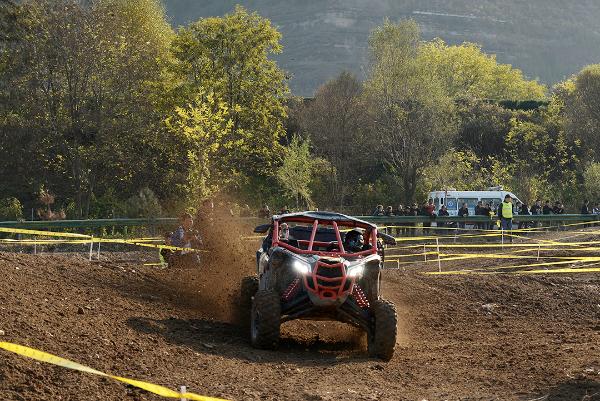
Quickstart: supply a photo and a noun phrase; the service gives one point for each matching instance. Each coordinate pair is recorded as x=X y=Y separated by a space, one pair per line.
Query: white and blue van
x=454 y=199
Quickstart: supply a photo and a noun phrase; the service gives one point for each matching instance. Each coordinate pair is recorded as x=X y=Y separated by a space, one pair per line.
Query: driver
x=354 y=241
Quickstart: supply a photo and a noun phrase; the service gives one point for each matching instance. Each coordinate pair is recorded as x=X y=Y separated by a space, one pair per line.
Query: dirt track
x=539 y=338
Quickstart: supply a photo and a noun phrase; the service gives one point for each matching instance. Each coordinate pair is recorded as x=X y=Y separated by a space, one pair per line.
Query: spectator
x=523 y=211
x=463 y=212
x=536 y=208
x=179 y=237
x=183 y=237
x=596 y=209
x=412 y=211
x=505 y=212
x=488 y=209
x=479 y=212
x=379 y=211
x=430 y=208
x=585 y=208
x=443 y=212
x=547 y=209
x=284 y=210
x=265 y=212
x=389 y=211
x=558 y=208
x=400 y=212
x=429 y=211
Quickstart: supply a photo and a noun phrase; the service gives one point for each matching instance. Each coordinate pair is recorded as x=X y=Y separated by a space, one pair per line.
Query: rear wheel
x=382 y=338
x=248 y=288
x=265 y=319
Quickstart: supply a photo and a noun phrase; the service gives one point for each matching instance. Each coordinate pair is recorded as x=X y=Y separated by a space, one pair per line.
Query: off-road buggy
x=304 y=271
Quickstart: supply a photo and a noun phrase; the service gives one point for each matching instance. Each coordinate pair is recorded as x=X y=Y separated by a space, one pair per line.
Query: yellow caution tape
x=508 y=256
x=539 y=271
x=44 y=233
x=398 y=257
x=65 y=363
x=144 y=244
x=493 y=269
x=44 y=242
x=433 y=238
x=252 y=237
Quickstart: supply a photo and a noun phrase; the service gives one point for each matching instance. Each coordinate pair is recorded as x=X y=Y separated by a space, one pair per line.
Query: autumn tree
x=86 y=79
x=581 y=95
x=298 y=170
x=467 y=72
x=413 y=117
x=336 y=124
x=228 y=60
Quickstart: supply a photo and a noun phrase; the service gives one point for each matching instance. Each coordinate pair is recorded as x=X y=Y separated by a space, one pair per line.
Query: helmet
x=284 y=232
x=354 y=241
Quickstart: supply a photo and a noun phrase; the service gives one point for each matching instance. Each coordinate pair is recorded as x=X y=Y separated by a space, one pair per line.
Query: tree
x=540 y=150
x=467 y=72
x=413 y=117
x=297 y=171
x=581 y=95
x=336 y=125
x=483 y=128
x=228 y=59
x=91 y=125
x=205 y=127
x=591 y=181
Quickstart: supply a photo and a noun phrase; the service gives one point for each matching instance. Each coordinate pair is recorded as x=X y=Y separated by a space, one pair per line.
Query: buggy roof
x=330 y=216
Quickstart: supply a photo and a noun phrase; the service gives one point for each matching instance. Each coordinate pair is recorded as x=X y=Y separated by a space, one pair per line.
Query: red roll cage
x=370 y=236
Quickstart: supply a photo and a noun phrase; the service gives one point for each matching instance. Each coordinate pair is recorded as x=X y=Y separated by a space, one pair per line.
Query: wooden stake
x=91 y=247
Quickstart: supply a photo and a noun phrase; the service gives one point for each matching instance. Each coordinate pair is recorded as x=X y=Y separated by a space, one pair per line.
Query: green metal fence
x=153 y=224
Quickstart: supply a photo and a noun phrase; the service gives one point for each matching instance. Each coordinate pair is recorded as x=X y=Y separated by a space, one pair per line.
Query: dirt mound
x=467 y=338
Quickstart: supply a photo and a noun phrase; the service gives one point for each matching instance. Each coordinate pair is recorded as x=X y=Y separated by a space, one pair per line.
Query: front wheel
x=265 y=320
x=382 y=337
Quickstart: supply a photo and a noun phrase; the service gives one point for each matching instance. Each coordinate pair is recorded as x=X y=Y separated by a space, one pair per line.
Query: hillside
x=547 y=39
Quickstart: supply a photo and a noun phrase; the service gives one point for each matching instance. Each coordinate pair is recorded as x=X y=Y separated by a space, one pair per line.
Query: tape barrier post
x=98 y=257
x=425 y=252
x=182 y=390
x=437 y=243
x=34 y=245
x=65 y=363
x=91 y=247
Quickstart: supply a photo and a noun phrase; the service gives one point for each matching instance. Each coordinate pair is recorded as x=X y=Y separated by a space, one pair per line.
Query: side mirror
x=262 y=229
x=387 y=239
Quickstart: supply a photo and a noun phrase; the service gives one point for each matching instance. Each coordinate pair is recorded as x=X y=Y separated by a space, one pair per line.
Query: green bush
x=144 y=204
x=10 y=209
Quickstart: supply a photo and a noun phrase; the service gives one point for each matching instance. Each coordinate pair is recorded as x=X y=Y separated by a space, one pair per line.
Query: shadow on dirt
x=573 y=390
x=225 y=339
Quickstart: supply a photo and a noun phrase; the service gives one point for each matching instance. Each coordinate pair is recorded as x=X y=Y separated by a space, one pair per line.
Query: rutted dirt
x=462 y=337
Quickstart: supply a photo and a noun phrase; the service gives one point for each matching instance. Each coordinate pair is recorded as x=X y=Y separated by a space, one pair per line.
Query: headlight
x=354 y=270
x=301 y=267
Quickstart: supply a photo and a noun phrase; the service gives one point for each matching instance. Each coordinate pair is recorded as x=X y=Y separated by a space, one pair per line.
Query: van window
x=436 y=202
x=451 y=204
x=492 y=201
x=471 y=202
